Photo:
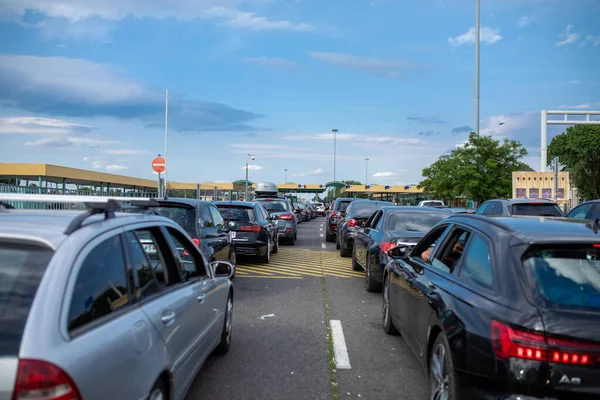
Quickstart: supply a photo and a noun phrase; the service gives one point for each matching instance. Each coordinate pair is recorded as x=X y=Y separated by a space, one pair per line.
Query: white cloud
x=363 y=139
x=272 y=62
x=376 y=66
x=486 y=36
x=67 y=141
x=252 y=168
x=385 y=175
x=126 y=151
x=42 y=126
x=525 y=20
x=593 y=39
x=97 y=164
x=85 y=158
x=251 y=21
x=568 y=37
x=116 y=167
x=580 y=106
x=317 y=172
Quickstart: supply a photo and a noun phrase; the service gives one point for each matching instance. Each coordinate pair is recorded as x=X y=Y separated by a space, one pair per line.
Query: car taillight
x=387 y=246
x=38 y=379
x=509 y=342
x=250 y=228
x=334 y=214
x=196 y=242
x=597 y=245
x=287 y=217
x=352 y=222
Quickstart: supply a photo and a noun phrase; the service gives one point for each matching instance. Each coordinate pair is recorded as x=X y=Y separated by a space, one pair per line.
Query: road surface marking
x=323 y=246
x=321 y=229
x=340 y=352
x=321 y=235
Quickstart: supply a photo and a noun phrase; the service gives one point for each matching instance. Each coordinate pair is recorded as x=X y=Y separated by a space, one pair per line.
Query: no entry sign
x=159 y=165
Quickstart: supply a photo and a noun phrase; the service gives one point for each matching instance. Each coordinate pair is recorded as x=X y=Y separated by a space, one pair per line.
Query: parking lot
x=280 y=347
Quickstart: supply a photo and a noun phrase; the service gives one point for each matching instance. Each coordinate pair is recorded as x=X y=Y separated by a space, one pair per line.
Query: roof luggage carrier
x=95 y=205
x=266 y=189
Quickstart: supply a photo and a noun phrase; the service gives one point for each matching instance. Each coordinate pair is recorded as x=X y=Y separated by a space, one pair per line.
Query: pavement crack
x=330 y=354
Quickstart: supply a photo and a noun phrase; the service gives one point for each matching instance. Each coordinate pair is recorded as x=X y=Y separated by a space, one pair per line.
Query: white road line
x=321 y=235
x=321 y=229
x=323 y=246
x=340 y=352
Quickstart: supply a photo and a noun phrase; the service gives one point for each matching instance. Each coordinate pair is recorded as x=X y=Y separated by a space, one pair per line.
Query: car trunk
x=22 y=265
x=567 y=278
x=245 y=218
x=183 y=214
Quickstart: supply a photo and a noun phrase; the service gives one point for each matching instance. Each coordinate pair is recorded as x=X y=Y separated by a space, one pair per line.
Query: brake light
x=509 y=342
x=250 y=228
x=287 y=217
x=196 y=242
x=352 y=222
x=387 y=246
x=38 y=379
x=597 y=245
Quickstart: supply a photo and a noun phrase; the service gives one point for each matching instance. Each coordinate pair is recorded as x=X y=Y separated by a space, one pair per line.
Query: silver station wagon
x=105 y=305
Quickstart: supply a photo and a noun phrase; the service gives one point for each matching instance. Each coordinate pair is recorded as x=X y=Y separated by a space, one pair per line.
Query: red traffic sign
x=159 y=165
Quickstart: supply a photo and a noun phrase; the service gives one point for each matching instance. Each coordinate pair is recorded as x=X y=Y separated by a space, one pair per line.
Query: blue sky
x=82 y=82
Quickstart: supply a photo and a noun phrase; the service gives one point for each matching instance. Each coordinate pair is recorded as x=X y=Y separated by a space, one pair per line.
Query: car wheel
x=158 y=392
x=355 y=265
x=328 y=237
x=370 y=284
x=345 y=251
x=225 y=344
x=267 y=257
x=388 y=323
x=292 y=240
x=276 y=245
x=337 y=242
x=442 y=380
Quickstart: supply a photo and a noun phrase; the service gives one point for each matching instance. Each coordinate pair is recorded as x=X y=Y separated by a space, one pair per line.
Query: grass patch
x=332 y=370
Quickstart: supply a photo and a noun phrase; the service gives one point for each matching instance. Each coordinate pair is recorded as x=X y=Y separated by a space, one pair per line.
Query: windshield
x=537 y=209
x=233 y=213
x=183 y=216
x=567 y=275
x=275 y=206
x=414 y=222
x=343 y=205
x=21 y=270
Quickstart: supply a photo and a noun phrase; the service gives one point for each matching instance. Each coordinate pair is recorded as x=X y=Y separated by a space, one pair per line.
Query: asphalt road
x=280 y=338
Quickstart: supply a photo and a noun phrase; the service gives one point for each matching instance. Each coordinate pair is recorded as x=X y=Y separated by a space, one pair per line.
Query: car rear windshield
x=342 y=205
x=183 y=216
x=274 y=206
x=538 y=209
x=567 y=275
x=237 y=213
x=367 y=207
x=21 y=270
x=414 y=222
x=432 y=204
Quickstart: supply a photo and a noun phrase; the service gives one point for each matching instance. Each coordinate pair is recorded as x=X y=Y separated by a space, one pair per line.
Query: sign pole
x=166 y=135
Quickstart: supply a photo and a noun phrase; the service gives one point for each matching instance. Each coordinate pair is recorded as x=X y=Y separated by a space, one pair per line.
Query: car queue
x=500 y=303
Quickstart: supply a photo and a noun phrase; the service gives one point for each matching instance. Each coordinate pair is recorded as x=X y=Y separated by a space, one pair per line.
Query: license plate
x=149 y=249
x=233 y=233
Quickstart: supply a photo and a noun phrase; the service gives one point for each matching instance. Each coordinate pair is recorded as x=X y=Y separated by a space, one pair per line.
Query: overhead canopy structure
x=299 y=188
x=408 y=189
x=336 y=184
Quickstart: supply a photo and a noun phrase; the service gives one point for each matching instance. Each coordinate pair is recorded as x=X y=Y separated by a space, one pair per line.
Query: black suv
x=501 y=308
x=507 y=207
x=337 y=212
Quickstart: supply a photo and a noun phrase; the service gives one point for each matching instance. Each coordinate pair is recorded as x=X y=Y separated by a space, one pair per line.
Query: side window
x=216 y=216
x=581 y=211
x=477 y=263
x=498 y=208
x=489 y=209
x=207 y=220
x=189 y=262
x=427 y=245
x=451 y=251
x=101 y=285
x=482 y=208
x=263 y=213
x=369 y=222
x=596 y=213
x=143 y=278
x=376 y=220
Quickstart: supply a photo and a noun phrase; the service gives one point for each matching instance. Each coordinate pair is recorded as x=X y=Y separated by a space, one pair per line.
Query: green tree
x=481 y=169
x=578 y=149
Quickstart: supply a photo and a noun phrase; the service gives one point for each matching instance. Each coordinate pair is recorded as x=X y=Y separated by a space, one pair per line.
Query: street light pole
x=285 y=176
x=477 y=44
x=247 y=155
x=334 y=150
x=166 y=140
x=366 y=171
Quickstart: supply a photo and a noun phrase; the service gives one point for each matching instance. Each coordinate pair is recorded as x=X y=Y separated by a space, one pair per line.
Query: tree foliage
x=480 y=169
x=578 y=149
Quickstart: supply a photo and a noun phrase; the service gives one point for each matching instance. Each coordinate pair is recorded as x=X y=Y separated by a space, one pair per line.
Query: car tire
x=292 y=240
x=225 y=343
x=267 y=257
x=158 y=391
x=344 y=250
x=388 y=322
x=337 y=242
x=442 y=379
x=328 y=237
x=355 y=265
x=276 y=245
x=370 y=284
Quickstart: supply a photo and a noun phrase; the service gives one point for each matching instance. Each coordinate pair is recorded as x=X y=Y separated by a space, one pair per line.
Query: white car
x=320 y=209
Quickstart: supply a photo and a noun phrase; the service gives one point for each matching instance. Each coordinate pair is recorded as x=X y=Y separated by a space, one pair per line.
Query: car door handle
x=432 y=285
x=201 y=298
x=168 y=318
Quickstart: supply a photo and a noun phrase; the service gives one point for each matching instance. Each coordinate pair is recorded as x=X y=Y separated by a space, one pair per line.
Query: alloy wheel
x=440 y=380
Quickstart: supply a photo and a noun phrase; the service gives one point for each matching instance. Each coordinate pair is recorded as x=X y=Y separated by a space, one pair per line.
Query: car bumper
x=258 y=248
x=287 y=232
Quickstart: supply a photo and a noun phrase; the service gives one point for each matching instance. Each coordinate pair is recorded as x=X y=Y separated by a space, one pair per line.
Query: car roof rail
x=95 y=204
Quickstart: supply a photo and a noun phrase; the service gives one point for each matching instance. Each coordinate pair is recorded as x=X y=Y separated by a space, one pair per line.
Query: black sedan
x=501 y=308
x=357 y=213
x=386 y=229
x=256 y=232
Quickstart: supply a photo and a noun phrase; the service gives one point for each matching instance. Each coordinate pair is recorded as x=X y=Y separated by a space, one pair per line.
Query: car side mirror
x=232 y=226
x=221 y=269
x=273 y=217
x=401 y=252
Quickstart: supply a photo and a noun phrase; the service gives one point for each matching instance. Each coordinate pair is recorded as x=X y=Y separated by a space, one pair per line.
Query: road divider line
x=340 y=352
x=323 y=246
x=321 y=235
